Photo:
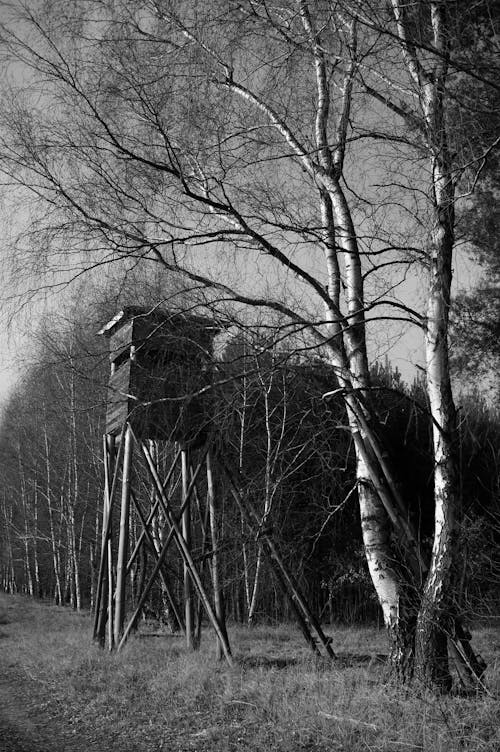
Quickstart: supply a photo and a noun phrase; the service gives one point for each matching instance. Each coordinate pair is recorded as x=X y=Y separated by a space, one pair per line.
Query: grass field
x=61 y=693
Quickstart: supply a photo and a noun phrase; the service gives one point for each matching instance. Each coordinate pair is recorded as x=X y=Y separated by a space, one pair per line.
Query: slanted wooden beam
x=307 y=620
x=152 y=513
x=156 y=554
x=105 y=560
x=123 y=542
x=186 y=534
x=186 y=555
x=214 y=538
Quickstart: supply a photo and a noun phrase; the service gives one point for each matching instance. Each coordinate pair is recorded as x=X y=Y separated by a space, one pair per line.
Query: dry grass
x=154 y=696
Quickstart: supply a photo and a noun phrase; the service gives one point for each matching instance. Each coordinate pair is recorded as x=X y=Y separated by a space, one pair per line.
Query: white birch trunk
x=435 y=620
x=10 y=571
x=28 y=584
x=56 y=563
x=36 y=564
x=266 y=388
x=349 y=356
x=435 y=617
x=241 y=451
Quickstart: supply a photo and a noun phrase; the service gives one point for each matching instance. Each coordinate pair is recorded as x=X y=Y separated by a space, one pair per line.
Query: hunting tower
x=160 y=362
x=158 y=394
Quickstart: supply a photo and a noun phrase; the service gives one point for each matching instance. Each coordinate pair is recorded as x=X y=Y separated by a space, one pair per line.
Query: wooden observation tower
x=160 y=363
x=159 y=395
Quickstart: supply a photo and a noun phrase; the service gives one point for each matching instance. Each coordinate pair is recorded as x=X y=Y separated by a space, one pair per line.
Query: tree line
x=294 y=456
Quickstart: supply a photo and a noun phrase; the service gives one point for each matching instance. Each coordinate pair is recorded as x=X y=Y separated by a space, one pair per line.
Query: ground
x=61 y=693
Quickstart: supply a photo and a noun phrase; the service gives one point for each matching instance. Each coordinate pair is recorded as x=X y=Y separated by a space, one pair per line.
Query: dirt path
x=27 y=723
x=24 y=726
x=38 y=715
x=31 y=722
x=35 y=720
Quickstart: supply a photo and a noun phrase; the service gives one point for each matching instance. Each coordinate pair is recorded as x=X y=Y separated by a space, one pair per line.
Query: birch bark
x=435 y=618
x=349 y=355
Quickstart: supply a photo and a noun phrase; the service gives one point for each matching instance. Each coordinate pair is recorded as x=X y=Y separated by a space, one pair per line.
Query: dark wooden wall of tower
x=158 y=364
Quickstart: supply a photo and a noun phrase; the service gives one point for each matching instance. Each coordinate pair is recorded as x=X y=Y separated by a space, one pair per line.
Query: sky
x=404 y=348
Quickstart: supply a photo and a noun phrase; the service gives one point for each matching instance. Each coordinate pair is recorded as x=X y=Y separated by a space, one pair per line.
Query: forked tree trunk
x=435 y=618
x=348 y=333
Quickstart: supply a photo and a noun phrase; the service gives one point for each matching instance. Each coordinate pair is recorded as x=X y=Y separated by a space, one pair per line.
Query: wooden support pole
x=186 y=534
x=145 y=592
x=307 y=619
x=157 y=569
x=124 y=536
x=105 y=560
x=299 y=615
x=470 y=667
x=186 y=555
x=114 y=463
x=214 y=535
x=152 y=512
x=111 y=596
x=204 y=556
x=101 y=594
x=165 y=505
x=388 y=493
x=166 y=588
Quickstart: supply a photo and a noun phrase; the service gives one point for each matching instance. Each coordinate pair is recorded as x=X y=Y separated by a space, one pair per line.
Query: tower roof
x=158 y=316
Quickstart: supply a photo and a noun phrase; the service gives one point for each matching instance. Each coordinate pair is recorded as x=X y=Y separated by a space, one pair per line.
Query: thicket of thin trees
x=301 y=160
x=296 y=463
x=51 y=472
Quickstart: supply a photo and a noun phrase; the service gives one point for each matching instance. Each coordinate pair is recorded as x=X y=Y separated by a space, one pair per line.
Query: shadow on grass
x=163 y=635
x=347 y=660
x=343 y=660
x=265 y=661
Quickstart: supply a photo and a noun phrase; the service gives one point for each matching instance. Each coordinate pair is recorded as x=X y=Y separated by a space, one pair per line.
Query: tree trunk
x=376 y=524
x=241 y=453
x=349 y=355
x=10 y=574
x=435 y=617
x=255 y=589
x=186 y=533
x=74 y=492
x=28 y=581
x=56 y=562
x=435 y=620
x=36 y=562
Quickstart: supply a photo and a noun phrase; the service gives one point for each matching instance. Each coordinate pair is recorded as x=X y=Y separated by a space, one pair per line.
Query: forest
x=291 y=447
x=312 y=178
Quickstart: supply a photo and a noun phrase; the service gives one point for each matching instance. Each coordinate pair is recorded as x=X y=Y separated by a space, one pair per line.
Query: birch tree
x=421 y=94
